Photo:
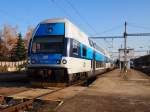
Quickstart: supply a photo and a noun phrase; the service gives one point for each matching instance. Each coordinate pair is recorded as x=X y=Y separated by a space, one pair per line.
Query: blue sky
x=102 y=15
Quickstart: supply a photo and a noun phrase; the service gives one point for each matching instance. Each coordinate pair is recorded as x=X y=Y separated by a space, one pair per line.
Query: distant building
x=130 y=55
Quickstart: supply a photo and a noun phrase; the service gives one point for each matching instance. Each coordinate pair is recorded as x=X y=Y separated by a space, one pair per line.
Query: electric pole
x=125 y=47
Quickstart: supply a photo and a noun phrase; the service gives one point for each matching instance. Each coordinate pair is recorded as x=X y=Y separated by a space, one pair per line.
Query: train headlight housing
x=28 y=61
x=64 y=61
x=33 y=61
x=58 y=61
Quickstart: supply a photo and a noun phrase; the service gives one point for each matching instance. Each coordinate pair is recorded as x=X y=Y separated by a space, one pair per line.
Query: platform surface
x=112 y=93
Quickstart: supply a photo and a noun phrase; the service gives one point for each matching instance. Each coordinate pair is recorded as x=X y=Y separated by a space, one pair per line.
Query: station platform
x=112 y=93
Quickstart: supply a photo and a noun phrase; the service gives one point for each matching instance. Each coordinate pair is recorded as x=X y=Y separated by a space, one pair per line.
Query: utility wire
x=61 y=9
x=111 y=29
x=138 y=26
x=81 y=17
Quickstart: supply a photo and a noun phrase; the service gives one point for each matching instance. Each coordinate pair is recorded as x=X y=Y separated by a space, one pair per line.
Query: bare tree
x=1 y=36
x=28 y=36
x=9 y=37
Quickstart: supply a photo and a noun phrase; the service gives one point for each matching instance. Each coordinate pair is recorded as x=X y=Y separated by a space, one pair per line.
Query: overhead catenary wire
x=87 y=23
x=81 y=17
x=111 y=29
x=109 y=43
x=61 y=9
x=138 y=26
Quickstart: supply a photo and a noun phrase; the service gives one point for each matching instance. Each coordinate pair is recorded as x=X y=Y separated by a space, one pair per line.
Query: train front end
x=46 y=51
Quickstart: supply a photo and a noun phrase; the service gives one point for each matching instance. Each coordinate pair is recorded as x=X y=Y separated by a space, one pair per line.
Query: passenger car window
x=84 y=51
x=75 y=49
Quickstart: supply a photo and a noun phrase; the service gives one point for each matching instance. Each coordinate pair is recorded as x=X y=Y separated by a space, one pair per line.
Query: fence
x=12 y=64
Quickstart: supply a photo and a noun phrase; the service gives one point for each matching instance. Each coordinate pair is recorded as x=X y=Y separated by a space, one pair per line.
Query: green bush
x=22 y=66
x=5 y=58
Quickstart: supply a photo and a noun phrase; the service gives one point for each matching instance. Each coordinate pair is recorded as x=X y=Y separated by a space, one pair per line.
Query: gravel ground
x=111 y=93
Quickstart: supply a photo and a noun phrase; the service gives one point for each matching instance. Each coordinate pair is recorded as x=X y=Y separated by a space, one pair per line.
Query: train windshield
x=49 y=44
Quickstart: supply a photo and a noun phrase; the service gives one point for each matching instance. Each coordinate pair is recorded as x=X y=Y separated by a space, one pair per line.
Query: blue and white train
x=60 y=52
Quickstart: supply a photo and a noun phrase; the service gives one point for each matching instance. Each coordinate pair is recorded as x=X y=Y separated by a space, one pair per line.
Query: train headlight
x=28 y=61
x=64 y=61
x=33 y=61
x=58 y=61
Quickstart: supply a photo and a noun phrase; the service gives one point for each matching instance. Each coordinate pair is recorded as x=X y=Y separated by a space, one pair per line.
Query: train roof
x=72 y=31
x=54 y=20
x=144 y=56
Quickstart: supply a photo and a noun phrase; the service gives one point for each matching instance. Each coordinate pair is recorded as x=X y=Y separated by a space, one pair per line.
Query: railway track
x=32 y=99
x=23 y=101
